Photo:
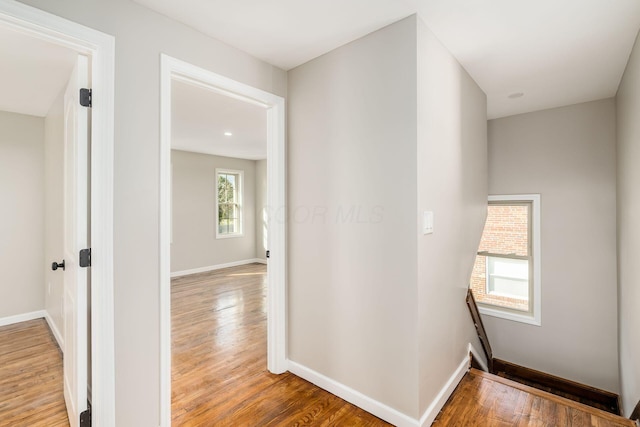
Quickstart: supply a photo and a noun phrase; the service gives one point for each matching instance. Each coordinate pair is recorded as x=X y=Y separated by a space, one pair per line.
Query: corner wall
x=21 y=214
x=628 y=112
x=352 y=216
x=452 y=183
x=568 y=156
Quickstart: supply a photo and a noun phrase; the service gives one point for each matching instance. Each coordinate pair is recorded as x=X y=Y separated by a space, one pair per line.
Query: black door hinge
x=85 y=418
x=85 y=97
x=268 y=254
x=85 y=258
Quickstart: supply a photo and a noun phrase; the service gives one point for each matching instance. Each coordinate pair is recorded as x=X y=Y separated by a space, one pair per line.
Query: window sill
x=508 y=315
x=229 y=236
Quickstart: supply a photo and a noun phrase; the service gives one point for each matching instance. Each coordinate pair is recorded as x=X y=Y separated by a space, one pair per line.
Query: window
x=506 y=275
x=229 y=203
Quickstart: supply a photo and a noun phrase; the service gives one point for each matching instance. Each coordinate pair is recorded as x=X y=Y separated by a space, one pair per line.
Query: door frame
x=101 y=48
x=175 y=69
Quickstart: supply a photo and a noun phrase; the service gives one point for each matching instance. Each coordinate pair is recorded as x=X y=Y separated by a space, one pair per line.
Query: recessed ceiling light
x=228 y=134
x=516 y=95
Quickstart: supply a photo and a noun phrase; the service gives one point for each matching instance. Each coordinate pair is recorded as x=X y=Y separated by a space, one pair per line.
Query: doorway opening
x=64 y=301
x=228 y=187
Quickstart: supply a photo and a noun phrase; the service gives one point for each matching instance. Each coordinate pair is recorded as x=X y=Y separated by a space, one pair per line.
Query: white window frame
x=240 y=189
x=534 y=317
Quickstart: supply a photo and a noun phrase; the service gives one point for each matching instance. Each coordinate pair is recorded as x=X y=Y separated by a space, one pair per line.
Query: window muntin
x=228 y=203
x=505 y=278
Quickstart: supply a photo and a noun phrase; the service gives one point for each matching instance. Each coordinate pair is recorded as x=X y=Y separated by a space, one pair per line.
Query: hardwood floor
x=219 y=348
x=486 y=400
x=30 y=377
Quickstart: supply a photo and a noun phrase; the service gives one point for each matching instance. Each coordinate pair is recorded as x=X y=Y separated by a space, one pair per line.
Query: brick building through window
x=502 y=272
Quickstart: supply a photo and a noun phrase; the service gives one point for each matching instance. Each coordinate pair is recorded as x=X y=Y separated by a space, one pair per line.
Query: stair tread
x=554 y=398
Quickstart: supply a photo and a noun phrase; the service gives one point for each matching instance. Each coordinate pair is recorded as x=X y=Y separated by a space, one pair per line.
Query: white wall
x=53 y=208
x=141 y=35
x=567 y=155
x=452 y=183
x=352 y=224
x=628 y=111
x=21 y=213
x=261 y=210
x=194 y=212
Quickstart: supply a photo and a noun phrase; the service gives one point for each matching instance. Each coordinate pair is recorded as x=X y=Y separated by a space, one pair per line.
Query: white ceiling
x=33 y=73
x=200 y=118
x=556 y=52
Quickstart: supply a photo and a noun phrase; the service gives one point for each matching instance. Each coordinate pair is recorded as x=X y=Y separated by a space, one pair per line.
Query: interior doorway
x=83 y=172
x=229 y=220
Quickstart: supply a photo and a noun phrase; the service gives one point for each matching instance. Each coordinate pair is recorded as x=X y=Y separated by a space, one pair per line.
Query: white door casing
x=76 y=278
x=174 y=69
x=101 y=49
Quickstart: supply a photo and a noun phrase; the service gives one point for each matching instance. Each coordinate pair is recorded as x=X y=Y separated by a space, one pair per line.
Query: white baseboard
x=56 y=333
x=10 y=320
x=379 y=409
x=216 y=267
x=260 y=260
x=376 y=408
x=480 y=357
x=432 y=411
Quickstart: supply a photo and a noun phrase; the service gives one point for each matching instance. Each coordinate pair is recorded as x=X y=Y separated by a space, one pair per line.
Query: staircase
x=520 y=396
x=485 y=400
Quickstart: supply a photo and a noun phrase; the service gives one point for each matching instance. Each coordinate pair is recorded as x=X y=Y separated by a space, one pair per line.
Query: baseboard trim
x=10 y=320
x=434 y=409
x=260 y=260
x=216 y=267
x=370 y=405
x=56 y=333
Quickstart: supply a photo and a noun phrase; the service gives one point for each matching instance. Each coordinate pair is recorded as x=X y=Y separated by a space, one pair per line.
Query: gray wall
x=628 y=111
x=385 y=127
x=567 y=155
x=452 y=182
x=193 y=212
x=352 y=221
x=141 y=36
x=262 y=230
x=54 y=210
x=21 y=213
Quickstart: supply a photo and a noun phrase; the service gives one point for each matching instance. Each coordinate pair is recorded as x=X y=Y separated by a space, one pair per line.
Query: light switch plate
x=427 y=222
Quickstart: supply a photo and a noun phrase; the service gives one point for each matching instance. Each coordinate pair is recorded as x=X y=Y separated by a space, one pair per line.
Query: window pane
x=225 y=211
x=234 y=211
x=223 y=227
x=229 y=203
x=506 y=231
x=508 y=277
x=222 y=188
x=501 y=282
x=231 y=188
x=234 y=225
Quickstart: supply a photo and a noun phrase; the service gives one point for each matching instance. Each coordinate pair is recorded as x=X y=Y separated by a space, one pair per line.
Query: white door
x=76 y=237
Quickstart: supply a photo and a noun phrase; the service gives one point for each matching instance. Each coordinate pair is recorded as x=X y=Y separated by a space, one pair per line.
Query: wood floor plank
x=485 y=400
x=219 y=356
x=31 y=377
